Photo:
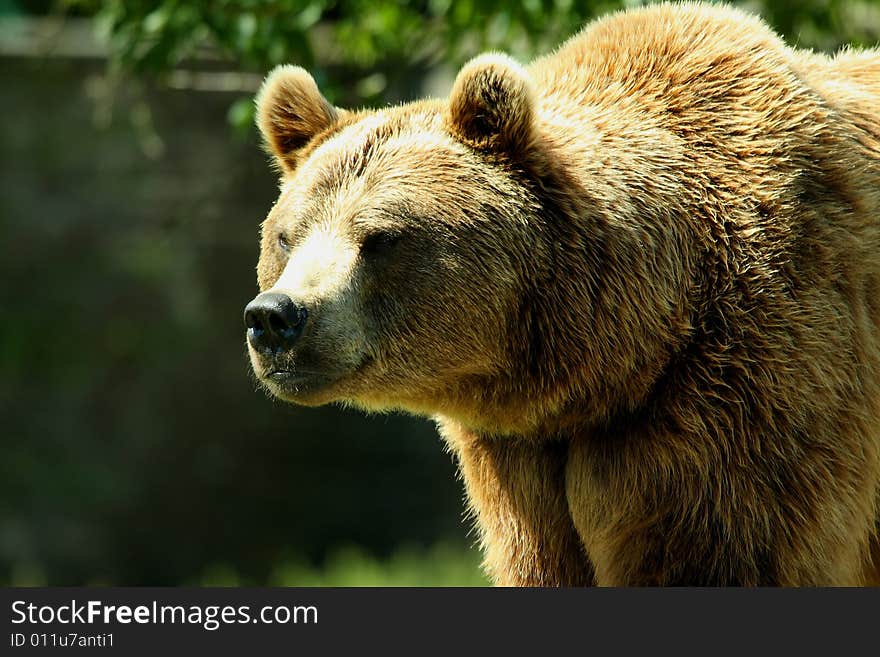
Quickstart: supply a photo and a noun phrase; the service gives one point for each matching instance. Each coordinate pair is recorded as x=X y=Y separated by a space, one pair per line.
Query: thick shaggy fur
x=641 y=295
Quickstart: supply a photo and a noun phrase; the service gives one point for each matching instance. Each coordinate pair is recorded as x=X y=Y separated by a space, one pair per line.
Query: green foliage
x=152 y=37
x=155 y=35
x=441 y=565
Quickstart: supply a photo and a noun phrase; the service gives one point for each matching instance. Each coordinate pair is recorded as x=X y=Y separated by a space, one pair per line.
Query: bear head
x=412 y=257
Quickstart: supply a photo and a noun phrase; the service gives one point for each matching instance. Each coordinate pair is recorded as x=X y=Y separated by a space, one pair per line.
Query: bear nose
x=274 y=322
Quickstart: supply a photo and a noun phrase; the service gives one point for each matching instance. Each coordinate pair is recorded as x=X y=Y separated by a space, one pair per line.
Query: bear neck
x=609 y=308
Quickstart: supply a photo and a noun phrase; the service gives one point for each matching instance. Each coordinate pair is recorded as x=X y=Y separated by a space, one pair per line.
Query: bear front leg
x=516 y=490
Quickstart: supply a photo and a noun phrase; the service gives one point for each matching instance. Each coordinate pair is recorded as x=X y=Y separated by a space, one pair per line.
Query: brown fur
x=637 y=283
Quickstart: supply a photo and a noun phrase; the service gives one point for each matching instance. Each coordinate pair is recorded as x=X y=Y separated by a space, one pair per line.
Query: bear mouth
x=307 y=386
x=283 y=377
x=300 y=386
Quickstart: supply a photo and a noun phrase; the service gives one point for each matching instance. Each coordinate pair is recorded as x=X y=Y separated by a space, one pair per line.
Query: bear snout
x=274 y=322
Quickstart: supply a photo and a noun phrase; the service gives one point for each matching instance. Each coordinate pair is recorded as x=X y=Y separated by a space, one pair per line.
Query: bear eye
x=379 y=243
x=283 y=242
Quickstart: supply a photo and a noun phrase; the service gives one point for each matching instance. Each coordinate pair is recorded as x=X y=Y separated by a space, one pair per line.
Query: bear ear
x=290 y=111
x=491 y=105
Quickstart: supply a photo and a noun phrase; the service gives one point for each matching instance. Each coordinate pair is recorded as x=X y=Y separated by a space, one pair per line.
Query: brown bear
x=636 y=283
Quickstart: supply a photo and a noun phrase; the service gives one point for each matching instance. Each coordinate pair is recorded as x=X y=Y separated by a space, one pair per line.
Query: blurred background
x=134 y=447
